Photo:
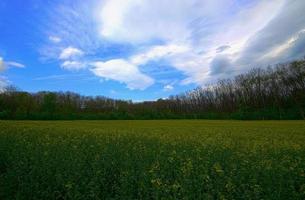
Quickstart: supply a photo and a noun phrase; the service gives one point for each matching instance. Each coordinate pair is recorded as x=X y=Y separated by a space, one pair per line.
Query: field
x=152 y=160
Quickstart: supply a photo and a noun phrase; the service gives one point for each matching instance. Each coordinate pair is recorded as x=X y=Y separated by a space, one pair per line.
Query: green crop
x=180 y=159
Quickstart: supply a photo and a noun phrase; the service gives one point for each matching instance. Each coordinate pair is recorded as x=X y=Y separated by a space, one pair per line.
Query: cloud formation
x=55 y=39
x=71 y=59
x=278 y=37
x=3 y=83
x=120 y=23
x=158 y=52
x=70 y=52
x=222 y=48
x=2 y=65
x=73 y=65
x=220 y=65
x=14 y=64
x=202 y=39
x=124 y=72
x=3 y=80
x=6 y=64
x=168 y=88
x=189 y=30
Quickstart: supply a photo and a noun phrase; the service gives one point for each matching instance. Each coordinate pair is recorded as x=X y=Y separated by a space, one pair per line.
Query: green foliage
x=49 y=103
x=180 y=159
x=275 y=93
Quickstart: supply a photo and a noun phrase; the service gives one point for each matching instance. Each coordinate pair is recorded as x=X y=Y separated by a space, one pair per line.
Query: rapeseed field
x=173 y=159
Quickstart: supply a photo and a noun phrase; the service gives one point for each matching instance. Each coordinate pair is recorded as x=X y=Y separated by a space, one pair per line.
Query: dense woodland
x=273 y=93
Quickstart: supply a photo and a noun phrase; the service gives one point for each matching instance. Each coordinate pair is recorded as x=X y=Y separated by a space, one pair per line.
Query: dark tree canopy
x=273 y=93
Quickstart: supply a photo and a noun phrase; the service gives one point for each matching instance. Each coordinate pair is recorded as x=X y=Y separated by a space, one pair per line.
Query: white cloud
x=2 y=65
x=70 y=52
x=282 y=48
x=74 y=25
x=274 y=41
x=158 y=52
x=203 y=39
x=168 y=88
x=5 y=64
x=73 y=65
x=55 y=39
x=124 y=72
x=191 y=30
x=137 y=21
x=15 y=64
x=3 y=83
x=71 y=56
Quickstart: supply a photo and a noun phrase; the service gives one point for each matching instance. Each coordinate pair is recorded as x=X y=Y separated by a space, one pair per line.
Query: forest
x=272 y=93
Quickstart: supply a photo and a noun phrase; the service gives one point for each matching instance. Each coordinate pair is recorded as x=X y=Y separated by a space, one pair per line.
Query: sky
x=143 y=49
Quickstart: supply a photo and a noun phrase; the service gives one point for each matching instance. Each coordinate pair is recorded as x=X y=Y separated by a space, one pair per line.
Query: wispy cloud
x=14 y=64
x=6 y=64
x=59 y=77
x=3 y=83
x=222 y=48
x=168 y=88
x=73 y=65
x=158 y=52
x=278 y=37
x=203 y=40
x=2 y=65
x=55 y=39
x=190 y=31
x=70 y=52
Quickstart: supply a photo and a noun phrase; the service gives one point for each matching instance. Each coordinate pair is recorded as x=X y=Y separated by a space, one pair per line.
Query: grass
x=152 y=160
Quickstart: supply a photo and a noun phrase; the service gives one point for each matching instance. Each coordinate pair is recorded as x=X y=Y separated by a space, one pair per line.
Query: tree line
x=276 y=92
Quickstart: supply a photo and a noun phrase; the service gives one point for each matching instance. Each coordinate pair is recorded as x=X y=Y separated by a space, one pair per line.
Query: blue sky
x=143 y=49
